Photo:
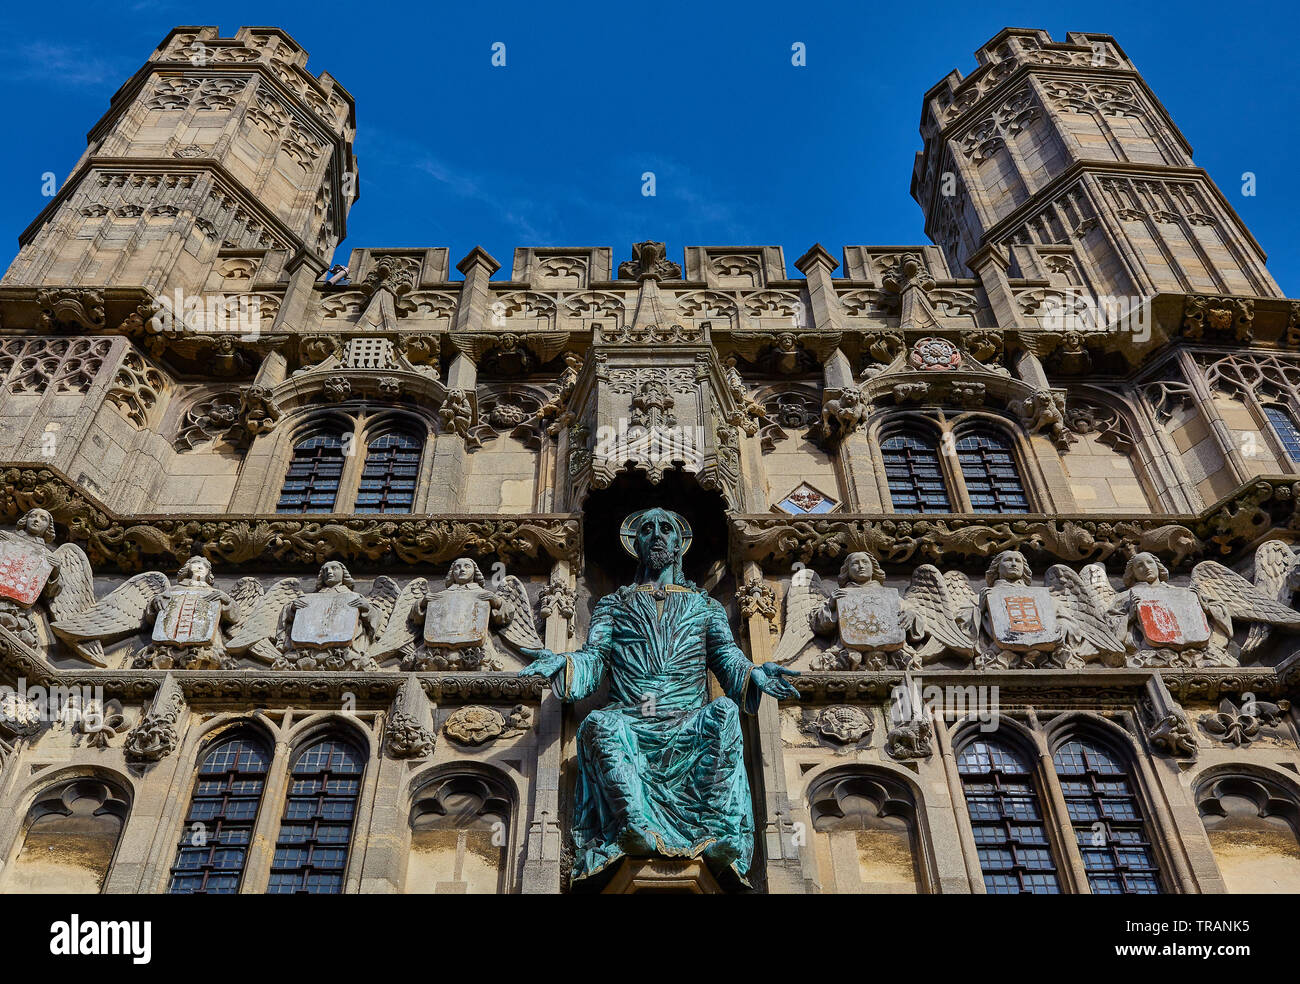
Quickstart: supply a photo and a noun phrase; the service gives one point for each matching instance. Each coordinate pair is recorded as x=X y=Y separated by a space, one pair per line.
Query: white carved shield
x=870 y=618
x=24 y=569
x=1171 y=618
x=456 y=618
x=188 y=618
x=326 y=620
x=1023 y=618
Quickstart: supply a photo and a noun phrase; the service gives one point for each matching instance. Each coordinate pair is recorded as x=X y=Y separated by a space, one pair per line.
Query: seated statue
x=661 y=767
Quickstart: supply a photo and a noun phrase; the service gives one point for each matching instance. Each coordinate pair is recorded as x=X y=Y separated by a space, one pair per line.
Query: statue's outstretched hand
x=770 y=678
x=544 y=663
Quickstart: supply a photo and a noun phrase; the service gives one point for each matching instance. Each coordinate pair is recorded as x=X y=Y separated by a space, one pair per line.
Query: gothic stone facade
x=1065 y=433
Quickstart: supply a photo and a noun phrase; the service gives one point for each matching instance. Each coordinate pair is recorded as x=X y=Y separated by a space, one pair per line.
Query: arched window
x=388 y=478
x=219 y=826
x=1285 y=428
x=460 y=837
x=988 y=467
x=1254 y=828
x=1007 y=820
x=71 y=837
x=312 y=484
x=311 y=853
x=1107 y=820
x=915 y=476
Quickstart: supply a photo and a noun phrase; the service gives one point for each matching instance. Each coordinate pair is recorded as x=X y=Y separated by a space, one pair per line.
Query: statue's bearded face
x=658 y=540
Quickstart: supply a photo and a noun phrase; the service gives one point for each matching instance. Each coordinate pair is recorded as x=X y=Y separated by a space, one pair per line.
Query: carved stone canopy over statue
x=661 y=766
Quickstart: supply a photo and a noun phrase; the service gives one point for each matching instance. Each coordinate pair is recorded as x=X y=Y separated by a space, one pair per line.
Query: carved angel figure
x=1172 y=626
x=450 y=629
x=1061 y=624
x=331 y=628
x=187 y=619
x=873 y=626
x=33 y=570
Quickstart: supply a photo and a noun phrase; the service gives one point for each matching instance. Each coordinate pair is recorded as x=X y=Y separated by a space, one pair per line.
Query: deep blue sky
x=746 y=148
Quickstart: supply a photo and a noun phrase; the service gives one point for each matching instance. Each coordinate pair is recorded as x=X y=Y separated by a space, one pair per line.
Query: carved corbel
x=457 y=412
x=1220 y=316
x=155 y=736
x=71 y=308
x=410 y=732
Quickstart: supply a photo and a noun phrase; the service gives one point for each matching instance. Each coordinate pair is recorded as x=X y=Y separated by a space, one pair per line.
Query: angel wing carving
x=402 y=628
x=520 y=629
x=258 y=628
x=76 y=590
x=1091 y=631
x=1275 y=577
x=383 y=598
x=1094 y=575
x=804 y=597
x=941 y=606
x=120 y=612
x=1227 y=595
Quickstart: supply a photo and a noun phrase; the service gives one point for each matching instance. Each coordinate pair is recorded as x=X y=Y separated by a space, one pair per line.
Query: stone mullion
x=1056 y=815
x=261 y=846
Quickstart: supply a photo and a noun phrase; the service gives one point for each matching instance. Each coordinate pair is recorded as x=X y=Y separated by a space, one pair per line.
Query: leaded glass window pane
x=219 y=826
x=389 y=474
x=915 y=478
x=1286 y=431
x=1007 y=822
x=312 y=484
x=988 y=466
x=311 y=852
x=1107 y=820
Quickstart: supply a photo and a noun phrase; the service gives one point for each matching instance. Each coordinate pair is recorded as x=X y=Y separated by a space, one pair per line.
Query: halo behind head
x=627 y=531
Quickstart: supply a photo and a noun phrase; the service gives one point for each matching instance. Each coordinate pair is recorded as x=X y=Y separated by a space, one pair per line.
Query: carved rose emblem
x=935 y=355
x=474 y=725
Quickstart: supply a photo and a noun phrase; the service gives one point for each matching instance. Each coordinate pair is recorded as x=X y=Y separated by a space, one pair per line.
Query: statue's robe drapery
x=660 y=755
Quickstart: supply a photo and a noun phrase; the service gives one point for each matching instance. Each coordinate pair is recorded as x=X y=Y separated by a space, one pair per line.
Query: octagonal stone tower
x=1058 y=159
x=222 y=164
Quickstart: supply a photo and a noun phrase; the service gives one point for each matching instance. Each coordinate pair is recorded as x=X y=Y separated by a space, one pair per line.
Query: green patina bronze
x=661 y=767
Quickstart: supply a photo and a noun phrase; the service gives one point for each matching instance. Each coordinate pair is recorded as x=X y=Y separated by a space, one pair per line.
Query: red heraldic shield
x=23 y=571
